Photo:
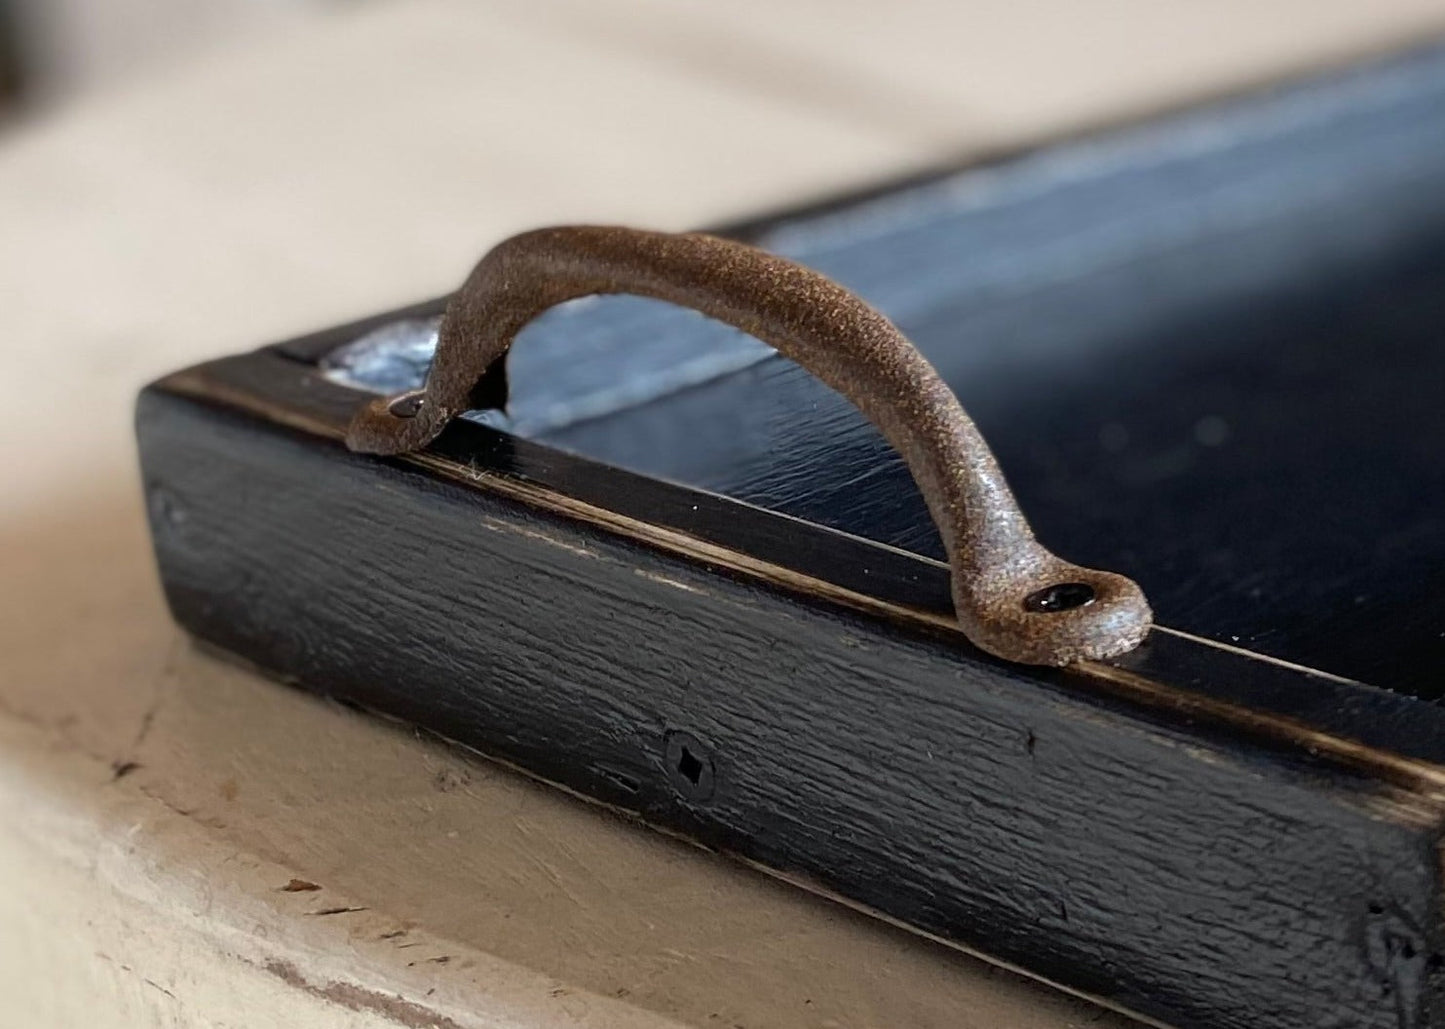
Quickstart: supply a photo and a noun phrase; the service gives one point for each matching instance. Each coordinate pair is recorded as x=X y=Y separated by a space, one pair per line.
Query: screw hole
x=1061 y=596
x=690 y=766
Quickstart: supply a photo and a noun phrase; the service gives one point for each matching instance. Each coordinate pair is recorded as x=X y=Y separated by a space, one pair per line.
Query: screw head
x=407 y=405
x=1061 y=596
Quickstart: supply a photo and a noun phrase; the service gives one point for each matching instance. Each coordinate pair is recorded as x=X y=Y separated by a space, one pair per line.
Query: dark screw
x=1061 y=596
x=408 y=404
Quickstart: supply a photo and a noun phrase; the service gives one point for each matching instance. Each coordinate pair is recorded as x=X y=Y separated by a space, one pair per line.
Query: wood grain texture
x=1194 y=876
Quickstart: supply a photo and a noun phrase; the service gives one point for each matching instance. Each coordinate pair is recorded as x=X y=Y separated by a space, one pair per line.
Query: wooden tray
x=682 y=579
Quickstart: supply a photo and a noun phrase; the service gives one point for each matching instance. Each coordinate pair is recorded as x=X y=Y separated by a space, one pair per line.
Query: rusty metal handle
x=1012 y=596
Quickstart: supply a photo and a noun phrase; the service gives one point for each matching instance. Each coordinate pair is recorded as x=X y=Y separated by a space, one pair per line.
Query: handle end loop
x=396 y=424
x=1047 y=611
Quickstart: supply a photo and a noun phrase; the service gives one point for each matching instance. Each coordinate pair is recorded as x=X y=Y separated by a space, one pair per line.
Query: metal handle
x=1012 y=596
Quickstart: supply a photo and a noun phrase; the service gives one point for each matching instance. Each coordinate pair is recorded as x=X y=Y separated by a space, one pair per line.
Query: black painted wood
x=1193 y=670
x=744 y=636
x=1194 y=872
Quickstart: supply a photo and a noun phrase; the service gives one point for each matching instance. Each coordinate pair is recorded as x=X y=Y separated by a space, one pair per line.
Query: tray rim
x=1175 y=674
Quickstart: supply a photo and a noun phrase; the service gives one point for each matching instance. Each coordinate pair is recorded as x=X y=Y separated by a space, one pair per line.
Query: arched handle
x=1013 y=597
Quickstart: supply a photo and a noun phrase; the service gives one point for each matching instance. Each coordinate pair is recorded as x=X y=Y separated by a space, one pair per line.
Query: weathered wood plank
x=1193 y=875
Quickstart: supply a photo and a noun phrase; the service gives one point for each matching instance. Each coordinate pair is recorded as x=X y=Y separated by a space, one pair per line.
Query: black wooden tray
x=683 y=579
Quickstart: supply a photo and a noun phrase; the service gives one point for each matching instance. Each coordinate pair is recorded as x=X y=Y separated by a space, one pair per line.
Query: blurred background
x=53 y=49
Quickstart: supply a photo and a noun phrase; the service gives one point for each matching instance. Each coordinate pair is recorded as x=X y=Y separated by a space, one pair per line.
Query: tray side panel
x=1197 y=879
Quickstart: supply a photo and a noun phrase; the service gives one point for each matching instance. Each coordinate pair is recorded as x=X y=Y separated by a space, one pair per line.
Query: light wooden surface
x=75 y=46
x=361 y=161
